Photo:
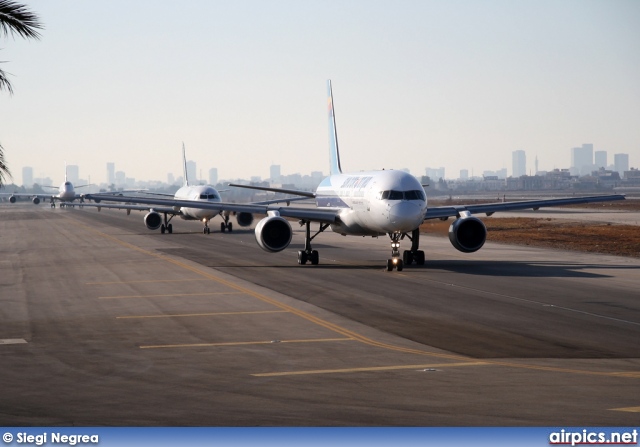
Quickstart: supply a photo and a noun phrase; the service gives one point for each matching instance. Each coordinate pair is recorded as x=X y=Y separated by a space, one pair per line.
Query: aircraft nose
x=406 y=216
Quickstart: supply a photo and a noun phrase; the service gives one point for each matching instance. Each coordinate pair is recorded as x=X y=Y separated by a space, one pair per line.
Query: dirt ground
x=620 y=240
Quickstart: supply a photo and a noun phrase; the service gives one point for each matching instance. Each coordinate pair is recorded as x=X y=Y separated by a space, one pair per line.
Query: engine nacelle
x=12 y=199
x=467 y=234
x=153 y=220
x=36 y=200
x=244 y=219
x=273 y=233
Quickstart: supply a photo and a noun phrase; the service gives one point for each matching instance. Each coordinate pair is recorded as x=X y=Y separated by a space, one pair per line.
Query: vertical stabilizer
x=334 y=154
x=184 y=167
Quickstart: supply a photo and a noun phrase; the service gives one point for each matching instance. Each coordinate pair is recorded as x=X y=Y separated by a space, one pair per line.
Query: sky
x=459 y=84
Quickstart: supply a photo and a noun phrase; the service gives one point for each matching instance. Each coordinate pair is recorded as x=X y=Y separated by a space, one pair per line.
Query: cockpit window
x=208 y=196
x=415 y=194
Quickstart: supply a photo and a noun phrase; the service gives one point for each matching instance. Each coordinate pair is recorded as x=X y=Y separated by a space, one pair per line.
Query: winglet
x=334 y=153
x=184 y=167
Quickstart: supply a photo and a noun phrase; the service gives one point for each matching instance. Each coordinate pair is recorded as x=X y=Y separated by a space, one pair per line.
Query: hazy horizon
x=454 y=84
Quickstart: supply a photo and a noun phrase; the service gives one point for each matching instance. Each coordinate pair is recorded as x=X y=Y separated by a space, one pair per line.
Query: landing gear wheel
x=407 y=257
x=230 y=227
x=162 y=229
x=222 y=227
x=302 y=257
x=170 y=228
x=389 y=265
x=315 y=257
x=208 y=230
x=419 y=257
x=399 y=265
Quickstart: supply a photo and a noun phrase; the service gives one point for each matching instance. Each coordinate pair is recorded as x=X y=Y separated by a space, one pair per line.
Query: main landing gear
x=408 y=256
x=308 y=254
x=226 y=225
x=166 y=226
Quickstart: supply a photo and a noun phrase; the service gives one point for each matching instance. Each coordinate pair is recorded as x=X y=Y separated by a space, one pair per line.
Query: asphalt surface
x=103 y=322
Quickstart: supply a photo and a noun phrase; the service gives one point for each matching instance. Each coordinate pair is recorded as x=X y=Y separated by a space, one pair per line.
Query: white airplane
x=371 y=203
x=66 y=194
x=160 y=217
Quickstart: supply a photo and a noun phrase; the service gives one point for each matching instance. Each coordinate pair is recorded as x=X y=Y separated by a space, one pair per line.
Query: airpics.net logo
x=23 y=438
x=589 y=437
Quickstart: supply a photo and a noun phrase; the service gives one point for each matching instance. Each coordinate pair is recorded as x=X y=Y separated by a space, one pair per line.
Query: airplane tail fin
x=184 y=167
x=334 y=154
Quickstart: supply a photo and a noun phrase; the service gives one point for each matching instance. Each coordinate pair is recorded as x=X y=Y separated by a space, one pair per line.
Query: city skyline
x=584 y=160
x=421 y=83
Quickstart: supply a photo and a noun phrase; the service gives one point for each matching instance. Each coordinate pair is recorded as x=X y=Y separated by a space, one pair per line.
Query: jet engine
x=12 y=199
x=273 y=233
x=36 y=200
x=467 y=234
x=244 y=219
x=152 y=220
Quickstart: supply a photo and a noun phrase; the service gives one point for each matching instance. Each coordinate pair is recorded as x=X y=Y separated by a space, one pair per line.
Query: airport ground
x=103 y=322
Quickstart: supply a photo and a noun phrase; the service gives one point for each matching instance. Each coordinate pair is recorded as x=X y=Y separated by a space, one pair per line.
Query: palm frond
x=17 y=19
x=4 y=169
x=4 y=82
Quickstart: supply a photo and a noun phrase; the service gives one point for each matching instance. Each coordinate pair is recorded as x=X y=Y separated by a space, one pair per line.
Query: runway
x=104 y=322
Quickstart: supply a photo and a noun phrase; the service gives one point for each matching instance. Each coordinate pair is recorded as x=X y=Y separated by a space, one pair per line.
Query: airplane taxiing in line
x=371 y=203
x=66 y=194
x=160 y=217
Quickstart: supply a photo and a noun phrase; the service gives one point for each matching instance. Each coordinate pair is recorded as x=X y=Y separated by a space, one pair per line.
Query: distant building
x=274 y=173
x=582 y=160
x=621 y=163
x=213 y=176
x=435 y=174
x=519 y=163
x=120 y=178
x=600 y=159
x=111 y=173
x=27 y=176
x=192 y=173
x=464 y=174
x=73 y=173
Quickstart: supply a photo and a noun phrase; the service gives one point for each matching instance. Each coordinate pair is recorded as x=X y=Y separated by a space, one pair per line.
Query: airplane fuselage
x=66 y=193
x=202 y=193
x=374 y=203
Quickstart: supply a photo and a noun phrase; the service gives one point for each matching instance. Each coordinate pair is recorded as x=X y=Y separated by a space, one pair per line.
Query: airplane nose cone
x=405 y=216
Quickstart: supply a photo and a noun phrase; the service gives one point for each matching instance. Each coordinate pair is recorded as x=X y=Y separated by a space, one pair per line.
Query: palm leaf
x=17 y=19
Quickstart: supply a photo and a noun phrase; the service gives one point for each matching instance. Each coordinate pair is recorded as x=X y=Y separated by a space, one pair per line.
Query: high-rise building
x=191 y=172
x=582 y=160
x=435 y=174
x=27 y=176
x=213 y=176
x=519 y=163
x=464 y=174
x=600 y=158
x=73 y=173
x=111 y=173
x=621 y=163
x=274 y=173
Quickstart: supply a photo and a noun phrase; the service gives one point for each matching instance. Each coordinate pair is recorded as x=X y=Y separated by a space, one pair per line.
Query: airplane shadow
x=529 y=269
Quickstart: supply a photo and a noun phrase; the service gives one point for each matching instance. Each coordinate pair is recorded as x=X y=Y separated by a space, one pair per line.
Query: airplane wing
x=295 y=192
x=130 y=207
x=324 y=215
x=443 y=212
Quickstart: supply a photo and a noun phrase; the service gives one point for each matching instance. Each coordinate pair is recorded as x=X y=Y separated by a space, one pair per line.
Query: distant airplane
x=66 y=194
x=160 y=217
x=371 y=203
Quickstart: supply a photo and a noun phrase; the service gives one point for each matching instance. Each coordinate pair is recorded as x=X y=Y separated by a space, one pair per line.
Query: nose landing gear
x=408 y=256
